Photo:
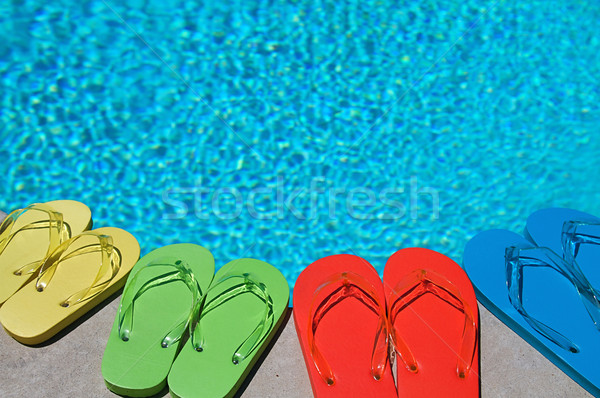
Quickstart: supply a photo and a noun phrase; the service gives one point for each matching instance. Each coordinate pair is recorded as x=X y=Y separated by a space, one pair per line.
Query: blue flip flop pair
x=546 y=287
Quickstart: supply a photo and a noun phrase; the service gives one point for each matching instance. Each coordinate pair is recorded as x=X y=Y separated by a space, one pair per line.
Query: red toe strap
x=333 y=291
x=417 y=284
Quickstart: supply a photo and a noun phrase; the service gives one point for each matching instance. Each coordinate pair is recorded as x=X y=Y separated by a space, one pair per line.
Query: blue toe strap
x=577 y=233
x=517 y=258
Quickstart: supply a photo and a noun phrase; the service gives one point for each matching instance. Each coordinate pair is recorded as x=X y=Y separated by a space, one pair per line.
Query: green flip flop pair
x=228 y=319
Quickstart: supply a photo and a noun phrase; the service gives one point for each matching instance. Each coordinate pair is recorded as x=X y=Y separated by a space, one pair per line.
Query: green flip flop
x=166 y=289
x=243 y=310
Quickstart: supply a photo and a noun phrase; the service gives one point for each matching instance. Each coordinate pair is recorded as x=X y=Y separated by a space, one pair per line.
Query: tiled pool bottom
x=371 y=96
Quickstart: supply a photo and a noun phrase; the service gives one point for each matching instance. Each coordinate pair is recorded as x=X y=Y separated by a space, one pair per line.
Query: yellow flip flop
x=78 y=275
x=29 y=235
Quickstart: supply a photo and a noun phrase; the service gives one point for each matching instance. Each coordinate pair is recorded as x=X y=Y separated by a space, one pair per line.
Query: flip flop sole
x=212 y=372
x=346 y=333
x=139 y=367
x=547 y=296
x=432 y=328
x=32 y=317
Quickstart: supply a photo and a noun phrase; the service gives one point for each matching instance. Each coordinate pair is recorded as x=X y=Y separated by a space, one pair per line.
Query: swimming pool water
x=143 y=108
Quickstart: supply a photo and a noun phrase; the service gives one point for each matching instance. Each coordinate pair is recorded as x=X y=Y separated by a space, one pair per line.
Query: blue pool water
x=196 y=121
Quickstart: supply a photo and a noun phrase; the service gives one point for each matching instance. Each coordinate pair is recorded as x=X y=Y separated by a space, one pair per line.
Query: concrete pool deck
x=69 y=364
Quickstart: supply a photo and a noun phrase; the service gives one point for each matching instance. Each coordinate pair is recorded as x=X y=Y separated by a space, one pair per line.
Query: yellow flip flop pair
x=53 y=269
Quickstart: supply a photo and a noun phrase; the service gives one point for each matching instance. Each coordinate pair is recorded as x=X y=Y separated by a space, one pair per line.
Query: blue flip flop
x=541 y=297
x=573 y=234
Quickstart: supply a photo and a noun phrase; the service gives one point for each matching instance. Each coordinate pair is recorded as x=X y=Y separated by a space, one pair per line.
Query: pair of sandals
x=422 y=319
x=172 y=294
x=53 y=269
x=545 y=286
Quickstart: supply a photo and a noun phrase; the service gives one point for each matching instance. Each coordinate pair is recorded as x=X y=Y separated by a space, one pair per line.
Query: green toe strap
x=58 y=232
x=109 y=265
x=180 y=272
x=247 y=284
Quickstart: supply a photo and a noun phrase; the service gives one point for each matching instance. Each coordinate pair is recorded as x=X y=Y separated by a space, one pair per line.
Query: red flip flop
x=436 y=335
x=344 y=342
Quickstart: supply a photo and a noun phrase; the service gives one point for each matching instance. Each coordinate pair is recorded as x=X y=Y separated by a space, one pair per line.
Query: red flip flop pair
x=425 y=313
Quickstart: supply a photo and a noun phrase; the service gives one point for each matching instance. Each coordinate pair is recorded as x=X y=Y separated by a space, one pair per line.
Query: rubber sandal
x=29 y=235
x=160 y=301
x=344 y=342
x=434 y=325
x=540 y=296
x=573 y=234
x=78 y=275
x=243 y=310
